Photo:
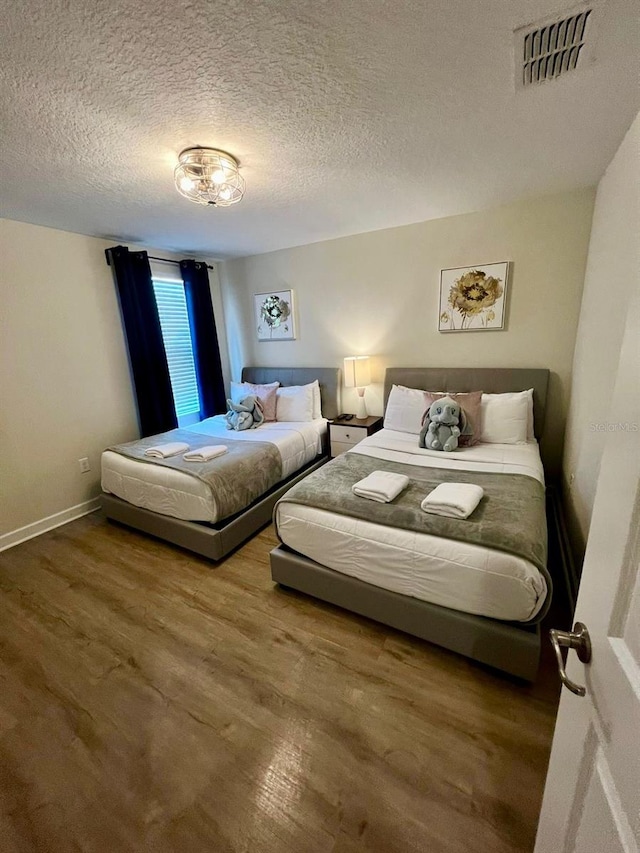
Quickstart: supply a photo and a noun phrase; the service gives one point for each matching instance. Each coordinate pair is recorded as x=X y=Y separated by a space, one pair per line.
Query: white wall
x=613 y=273
x=65 y=388
x=64 y=375
x=377 y=294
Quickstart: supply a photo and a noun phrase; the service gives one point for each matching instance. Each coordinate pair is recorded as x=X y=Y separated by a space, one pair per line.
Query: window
x=176 y=334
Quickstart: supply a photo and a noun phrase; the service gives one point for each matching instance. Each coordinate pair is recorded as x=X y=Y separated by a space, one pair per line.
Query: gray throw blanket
x=510 y=517
x=241 y=475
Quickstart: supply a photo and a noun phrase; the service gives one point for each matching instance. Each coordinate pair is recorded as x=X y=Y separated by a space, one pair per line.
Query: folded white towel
x=453 y=500
x=204 y=454
x=381 y=486
x=163 y=451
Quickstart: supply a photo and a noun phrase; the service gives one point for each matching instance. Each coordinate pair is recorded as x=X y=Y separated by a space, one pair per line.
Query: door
x=592 y=796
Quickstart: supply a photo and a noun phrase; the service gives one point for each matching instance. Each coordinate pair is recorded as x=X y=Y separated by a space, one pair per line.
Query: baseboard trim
x=22 y=534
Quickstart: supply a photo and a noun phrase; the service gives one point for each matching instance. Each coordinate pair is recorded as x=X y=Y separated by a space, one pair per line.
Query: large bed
x=483 y=602
x=183 y=509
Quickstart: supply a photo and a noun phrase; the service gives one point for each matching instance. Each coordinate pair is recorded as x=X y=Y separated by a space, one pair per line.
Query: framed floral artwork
x=473 y=299
x=274 y=317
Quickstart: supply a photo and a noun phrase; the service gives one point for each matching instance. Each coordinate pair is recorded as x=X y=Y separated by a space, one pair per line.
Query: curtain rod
x=177 y=263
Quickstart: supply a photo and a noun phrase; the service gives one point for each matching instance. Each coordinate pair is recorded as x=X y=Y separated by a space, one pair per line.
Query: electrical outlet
x=85 y=467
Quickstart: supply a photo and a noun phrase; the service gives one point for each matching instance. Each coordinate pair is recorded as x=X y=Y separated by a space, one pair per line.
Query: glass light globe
x=209 y=176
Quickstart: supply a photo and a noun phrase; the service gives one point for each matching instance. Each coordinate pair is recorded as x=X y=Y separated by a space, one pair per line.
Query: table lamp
x=357 y=374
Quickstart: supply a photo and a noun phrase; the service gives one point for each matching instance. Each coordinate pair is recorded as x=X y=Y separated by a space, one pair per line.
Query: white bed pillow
x=507 y=418
x=317 y=402
x=295 y=403
x=405 y=408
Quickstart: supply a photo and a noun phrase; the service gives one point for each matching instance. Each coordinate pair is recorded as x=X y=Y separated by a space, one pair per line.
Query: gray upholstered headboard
x=491 y=380
x=329 y=379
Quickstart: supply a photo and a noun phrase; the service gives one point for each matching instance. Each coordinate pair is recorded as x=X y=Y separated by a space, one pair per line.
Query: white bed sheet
x=447 y=572
x=171 y=492
x=490 y=458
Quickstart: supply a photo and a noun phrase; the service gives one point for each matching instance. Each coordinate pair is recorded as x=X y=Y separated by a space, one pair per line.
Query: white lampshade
x=357 y=372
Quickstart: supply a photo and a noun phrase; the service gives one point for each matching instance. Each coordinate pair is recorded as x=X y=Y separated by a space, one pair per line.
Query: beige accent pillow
x=470 y=402
x=265 y=393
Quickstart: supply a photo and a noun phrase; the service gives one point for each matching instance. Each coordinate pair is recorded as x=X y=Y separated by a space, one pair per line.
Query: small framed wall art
x=473 y=299
x=274 y=315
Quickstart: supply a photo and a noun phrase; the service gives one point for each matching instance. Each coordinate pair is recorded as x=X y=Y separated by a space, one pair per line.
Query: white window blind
x=176 y=334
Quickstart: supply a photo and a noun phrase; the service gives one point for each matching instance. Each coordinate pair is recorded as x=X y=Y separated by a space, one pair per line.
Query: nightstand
x=343 y=435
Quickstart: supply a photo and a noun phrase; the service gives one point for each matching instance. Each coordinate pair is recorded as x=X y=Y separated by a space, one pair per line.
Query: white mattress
x=171 y=492
x=447 y=572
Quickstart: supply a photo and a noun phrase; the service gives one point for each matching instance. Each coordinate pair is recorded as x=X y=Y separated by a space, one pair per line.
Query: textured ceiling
x=345 y=116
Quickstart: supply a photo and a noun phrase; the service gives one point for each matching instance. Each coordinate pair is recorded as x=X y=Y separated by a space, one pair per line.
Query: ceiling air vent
x=548 y=50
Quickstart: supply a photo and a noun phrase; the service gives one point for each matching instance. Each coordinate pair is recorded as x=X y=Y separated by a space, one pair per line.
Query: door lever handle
x=577 y=639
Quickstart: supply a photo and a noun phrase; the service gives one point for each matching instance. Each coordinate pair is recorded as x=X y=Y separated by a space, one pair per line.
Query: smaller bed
x=173 y=505
x=481 y=601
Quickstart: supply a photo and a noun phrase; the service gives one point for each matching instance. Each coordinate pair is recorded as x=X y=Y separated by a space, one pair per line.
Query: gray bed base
x=212 y=541
x=216 y=541
x=508 y=646
x=512 y=647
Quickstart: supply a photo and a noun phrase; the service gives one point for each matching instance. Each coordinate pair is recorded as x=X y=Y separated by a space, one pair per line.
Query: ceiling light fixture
x=209 y=176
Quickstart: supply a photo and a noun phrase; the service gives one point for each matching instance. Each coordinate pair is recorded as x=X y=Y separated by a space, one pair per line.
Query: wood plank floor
x=152 y=701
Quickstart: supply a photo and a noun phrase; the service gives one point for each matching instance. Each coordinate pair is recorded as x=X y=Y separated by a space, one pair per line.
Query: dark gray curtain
x=147 y=357
x=204 y=337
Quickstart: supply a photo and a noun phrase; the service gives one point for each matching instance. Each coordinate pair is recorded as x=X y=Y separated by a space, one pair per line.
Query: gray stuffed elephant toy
x=441 y=425
x=247 y=414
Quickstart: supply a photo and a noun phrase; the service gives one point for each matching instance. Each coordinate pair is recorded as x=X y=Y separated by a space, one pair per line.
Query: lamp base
x=362 y=413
